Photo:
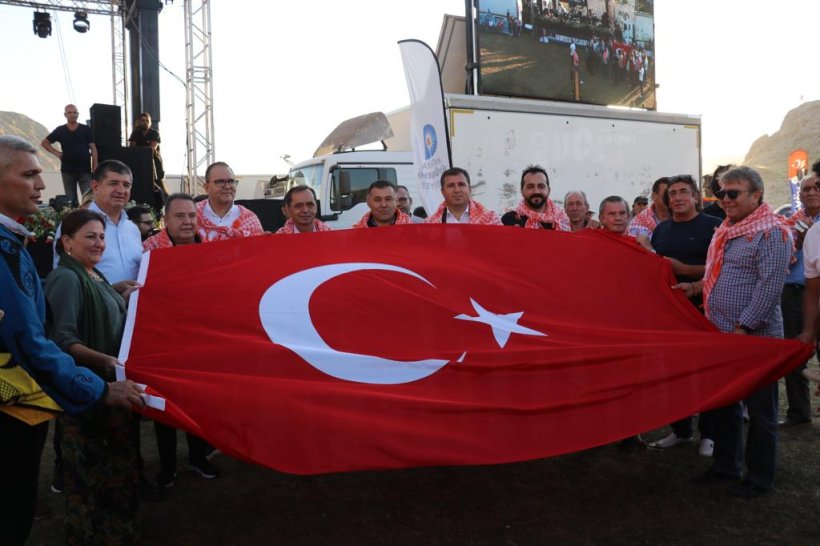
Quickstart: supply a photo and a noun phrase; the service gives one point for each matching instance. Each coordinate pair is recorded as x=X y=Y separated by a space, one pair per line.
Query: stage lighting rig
x=81 y=23
x=42 y=24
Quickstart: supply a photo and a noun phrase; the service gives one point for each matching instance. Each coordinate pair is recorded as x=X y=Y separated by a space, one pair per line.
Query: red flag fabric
x=428 y=345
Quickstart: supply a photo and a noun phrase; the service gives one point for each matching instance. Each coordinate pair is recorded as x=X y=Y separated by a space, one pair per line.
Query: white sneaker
x=670 y=441
x=707 y=447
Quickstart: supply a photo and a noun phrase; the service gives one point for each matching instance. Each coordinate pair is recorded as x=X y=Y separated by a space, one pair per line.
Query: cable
x=64 y=60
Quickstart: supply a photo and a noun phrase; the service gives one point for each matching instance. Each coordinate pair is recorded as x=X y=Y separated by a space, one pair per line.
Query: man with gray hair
x=576 y=205
x=37 y=379
x=745 y=270
x=614 y=215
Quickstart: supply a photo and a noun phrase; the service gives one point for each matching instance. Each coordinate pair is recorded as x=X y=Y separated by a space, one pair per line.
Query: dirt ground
x=599 y=496
x=527 y=68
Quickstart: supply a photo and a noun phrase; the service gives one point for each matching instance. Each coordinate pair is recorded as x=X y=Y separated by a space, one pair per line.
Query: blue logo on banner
x=430 y=141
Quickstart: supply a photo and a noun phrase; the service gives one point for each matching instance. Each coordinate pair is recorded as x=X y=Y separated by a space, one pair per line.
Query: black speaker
x=269 y=212
x=106 y=125
x=141 y=163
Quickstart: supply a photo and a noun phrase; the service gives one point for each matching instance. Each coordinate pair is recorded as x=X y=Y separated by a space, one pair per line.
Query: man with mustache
x=300 y=206
x=536 y=210
x=218 y=217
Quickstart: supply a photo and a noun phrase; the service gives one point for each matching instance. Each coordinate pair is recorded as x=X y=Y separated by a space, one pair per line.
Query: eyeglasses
x=225 y=182
x=731 y=194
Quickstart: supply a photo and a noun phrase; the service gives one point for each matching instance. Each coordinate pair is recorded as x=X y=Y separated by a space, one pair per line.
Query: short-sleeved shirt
x=75 y=147
x=811 y=252
x=687 y=242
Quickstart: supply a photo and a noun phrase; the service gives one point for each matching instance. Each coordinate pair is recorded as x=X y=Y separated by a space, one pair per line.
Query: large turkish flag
x=428 y=345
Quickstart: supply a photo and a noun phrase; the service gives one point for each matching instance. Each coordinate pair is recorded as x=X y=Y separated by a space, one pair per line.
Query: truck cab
x=341 y=180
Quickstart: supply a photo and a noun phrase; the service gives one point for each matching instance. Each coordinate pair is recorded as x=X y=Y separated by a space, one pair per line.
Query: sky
x=286 y=73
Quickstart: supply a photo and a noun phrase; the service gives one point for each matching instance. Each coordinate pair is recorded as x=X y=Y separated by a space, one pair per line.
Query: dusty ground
x=528 y=68
x=600 y=496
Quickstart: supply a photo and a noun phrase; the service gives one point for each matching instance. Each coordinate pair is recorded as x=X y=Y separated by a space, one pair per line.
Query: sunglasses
x=731 y=194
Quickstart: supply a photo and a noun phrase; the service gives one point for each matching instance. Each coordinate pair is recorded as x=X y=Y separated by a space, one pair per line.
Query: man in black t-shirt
x=77 y=153
x=145 y=135
x=684 y=239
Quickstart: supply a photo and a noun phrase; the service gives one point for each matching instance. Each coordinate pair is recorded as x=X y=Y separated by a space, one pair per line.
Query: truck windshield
x=310 y=175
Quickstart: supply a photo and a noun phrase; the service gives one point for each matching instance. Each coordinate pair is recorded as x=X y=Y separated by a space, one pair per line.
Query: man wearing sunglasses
x=218 y=216
x=745 y=270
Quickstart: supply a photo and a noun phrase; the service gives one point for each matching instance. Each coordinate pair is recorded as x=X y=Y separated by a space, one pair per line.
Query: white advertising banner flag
x=428 y=127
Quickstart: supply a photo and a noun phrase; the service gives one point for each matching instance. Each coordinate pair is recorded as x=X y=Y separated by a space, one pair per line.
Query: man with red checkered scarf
x=384 y=211
x=218 y=216
x=458 y=206
x=536 y=210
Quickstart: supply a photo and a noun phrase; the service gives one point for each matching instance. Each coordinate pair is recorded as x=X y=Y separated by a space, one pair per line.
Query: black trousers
x=167 y=447
x=797 y=386
x=20 y=448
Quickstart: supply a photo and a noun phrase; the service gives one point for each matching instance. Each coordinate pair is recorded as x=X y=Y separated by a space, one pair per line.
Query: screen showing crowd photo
x=592 y=51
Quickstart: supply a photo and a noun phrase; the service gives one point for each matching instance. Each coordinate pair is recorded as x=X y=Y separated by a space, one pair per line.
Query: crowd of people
x=740 y=270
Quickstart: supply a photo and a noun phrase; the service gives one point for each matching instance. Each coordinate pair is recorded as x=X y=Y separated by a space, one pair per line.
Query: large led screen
x=592 y=51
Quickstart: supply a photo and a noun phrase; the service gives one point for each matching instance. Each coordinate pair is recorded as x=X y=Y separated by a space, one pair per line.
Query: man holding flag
x=746 y=265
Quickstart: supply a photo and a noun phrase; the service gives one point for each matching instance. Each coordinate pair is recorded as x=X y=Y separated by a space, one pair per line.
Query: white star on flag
x=502 y=325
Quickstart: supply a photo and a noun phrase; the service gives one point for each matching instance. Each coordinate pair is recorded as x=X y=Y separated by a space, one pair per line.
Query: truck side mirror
x=344 y=183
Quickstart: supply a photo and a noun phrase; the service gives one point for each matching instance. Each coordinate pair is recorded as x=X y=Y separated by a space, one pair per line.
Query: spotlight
x=81 y=23
x=42 y=24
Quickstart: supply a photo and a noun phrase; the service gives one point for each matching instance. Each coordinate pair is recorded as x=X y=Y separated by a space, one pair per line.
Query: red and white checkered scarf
x=763 y=219
x=478 y=215
x=247 y=225
x=290 y=228
x=553 y=214
x=645 y=218
x=160 y=240
x=401 y=218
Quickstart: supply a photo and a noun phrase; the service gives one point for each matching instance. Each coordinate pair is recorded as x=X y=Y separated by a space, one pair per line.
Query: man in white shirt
x=218 y=216
x=458 y=206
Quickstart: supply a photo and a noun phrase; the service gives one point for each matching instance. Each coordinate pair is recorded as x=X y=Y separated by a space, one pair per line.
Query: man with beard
x=218 y=216
x=458 y=206
x=384 y=211
x=745 y=270
x=683 y=240
x=536 y=210
x=300 y=208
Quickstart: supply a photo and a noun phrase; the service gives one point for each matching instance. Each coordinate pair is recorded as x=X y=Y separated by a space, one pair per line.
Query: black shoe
x=165 y=478
x=206 y=469
x=791 y=423
x=58 y=483
x=150 y=492
x=634 y=443
x=710 y=477
x=747 y=490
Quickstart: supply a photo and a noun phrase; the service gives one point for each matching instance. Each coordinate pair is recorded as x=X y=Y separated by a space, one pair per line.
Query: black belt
x=794 y=285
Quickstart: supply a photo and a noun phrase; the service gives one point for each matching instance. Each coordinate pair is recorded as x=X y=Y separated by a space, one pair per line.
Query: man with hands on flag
x=746 y=266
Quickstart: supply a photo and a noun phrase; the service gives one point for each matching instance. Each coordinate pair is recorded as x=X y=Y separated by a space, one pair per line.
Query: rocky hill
x=769 y=153
x=12 y=123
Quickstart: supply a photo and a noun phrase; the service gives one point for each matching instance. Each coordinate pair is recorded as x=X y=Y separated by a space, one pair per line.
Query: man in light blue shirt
x=123 y=244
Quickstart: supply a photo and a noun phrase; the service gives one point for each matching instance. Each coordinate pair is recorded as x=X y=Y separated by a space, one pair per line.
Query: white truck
x=600 y=150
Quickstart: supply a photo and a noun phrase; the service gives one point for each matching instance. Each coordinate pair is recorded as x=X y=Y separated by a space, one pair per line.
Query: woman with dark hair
x=86 y=319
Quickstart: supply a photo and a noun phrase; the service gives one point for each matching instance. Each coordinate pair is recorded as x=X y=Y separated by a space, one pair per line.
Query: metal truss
x=199 y=119
x=119 y=71
x=101 y=7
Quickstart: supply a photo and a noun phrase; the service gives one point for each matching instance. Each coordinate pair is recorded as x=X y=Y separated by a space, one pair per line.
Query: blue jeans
x=761 y=440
